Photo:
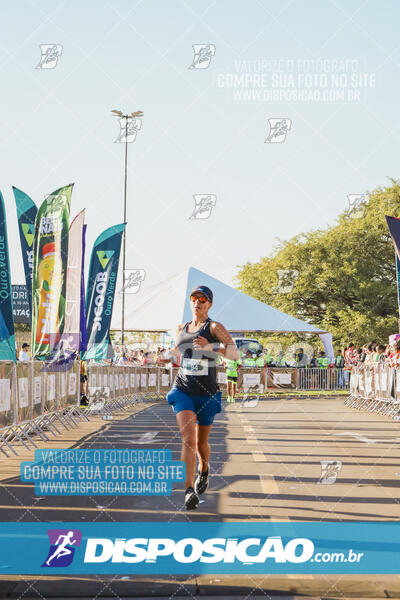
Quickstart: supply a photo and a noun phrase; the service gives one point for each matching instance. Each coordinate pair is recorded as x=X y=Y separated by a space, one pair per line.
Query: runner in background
x=231 y=369
x=195 y=396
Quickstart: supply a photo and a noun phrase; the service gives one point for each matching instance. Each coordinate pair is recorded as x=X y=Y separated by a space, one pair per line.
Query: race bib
x=195 y=366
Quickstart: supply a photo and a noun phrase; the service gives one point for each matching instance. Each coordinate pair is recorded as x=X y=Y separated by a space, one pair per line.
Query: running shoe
x=201 y=483
x=228 y=399
x=191 y=499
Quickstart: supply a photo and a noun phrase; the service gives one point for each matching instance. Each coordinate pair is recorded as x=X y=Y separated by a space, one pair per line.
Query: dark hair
x=397 y=345
x=351 y=345
x=381 y=348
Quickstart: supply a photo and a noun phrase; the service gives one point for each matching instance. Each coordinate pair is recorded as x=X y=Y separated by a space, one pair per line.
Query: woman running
x=195 y=395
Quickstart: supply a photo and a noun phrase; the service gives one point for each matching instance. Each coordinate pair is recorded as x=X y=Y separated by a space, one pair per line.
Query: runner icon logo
x=357 y=205
x=62 y=547
x=50 y=55
x=203 y=205
x=278 y=129
x=133 y=280
x=128 y=130
x=330 y=469
x=203 y=54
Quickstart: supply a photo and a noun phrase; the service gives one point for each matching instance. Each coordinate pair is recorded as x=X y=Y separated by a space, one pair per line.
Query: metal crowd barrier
x=117 y=387
x=322 y=379
x=375 y=388
x=36 y=400
x=288 y=378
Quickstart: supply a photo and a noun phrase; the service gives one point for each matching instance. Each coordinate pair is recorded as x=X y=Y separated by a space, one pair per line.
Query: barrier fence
x=36 y=400
x=376 y=389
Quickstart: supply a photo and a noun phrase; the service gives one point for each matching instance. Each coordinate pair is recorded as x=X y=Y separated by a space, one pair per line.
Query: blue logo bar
x=210 y=548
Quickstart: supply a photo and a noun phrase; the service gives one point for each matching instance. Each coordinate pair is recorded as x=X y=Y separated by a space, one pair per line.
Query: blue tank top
x=197 y=374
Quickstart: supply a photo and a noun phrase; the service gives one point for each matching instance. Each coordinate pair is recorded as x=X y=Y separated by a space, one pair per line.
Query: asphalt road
x=265 y=465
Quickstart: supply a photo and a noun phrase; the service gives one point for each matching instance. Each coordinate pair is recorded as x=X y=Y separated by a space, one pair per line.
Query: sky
x=334 y=66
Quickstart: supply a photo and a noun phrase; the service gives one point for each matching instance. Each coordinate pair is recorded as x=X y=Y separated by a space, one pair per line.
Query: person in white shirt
x=24 y=355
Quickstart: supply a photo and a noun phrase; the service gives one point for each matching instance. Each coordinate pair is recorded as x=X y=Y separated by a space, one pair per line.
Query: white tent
x=163 y=306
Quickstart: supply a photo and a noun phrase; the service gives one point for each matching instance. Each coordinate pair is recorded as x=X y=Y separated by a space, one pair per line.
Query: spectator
x=339 y=360
x=359 y=356
x=323 y=360
x=396 y=357
x=339 y=364
x=84 y=390
x=313 y=362
x=323 y=363
x=260 y=359
x=369 y=354
x=269 y=359
x=349 y=355
x=24 y=356
x=122 y=361
x=301 y=359
x=380 y=354
x=249 y=360
x=280 y=360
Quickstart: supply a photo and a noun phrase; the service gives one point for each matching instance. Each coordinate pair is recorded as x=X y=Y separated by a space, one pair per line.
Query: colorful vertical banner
x=83 y=328
x=26 y=215
x=50 y=255
x=398 y=282
x=70 y=337
x=100 y=294
x=7 y=335
x=394 y=227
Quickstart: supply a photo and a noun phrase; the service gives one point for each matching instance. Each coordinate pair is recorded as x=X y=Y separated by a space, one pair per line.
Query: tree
x=342 y=279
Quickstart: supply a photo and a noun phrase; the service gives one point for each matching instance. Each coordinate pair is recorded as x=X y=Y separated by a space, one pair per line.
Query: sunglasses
x=201 y=299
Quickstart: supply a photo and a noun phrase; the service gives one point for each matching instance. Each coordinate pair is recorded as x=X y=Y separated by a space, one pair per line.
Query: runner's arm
x=229 y=349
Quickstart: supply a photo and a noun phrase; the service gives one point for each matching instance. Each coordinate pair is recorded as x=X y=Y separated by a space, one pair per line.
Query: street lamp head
x=118 y=113
x=138 y=113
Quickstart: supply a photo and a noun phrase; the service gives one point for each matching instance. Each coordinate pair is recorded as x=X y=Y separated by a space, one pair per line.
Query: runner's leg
x=187 y=420
x=203 y=447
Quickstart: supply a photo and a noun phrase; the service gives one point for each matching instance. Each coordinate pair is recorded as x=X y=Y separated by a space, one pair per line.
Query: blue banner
x=102 y=280
x=7 y=334
x=398 y=281
x=26 y=214
x=200 y=548
x=82 y=320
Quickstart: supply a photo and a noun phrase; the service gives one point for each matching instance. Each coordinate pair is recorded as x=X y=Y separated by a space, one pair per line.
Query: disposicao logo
x=190 y=550
x=62 y=547
x=27 y=230
x=104 y=256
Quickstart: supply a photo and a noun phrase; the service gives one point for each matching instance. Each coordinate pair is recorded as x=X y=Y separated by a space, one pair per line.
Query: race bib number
x=195 y=366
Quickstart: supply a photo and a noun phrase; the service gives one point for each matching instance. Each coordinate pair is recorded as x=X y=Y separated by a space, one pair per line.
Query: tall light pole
x=127 y=118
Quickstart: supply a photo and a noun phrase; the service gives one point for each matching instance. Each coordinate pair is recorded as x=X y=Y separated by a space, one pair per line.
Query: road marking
x=268 y=484
x=259 y=456
x=364 y=438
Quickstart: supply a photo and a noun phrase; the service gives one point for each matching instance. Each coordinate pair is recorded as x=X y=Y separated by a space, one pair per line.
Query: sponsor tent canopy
x=163 y=306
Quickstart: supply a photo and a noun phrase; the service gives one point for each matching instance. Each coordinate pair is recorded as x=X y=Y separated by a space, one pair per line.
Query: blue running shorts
x=205 y=407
